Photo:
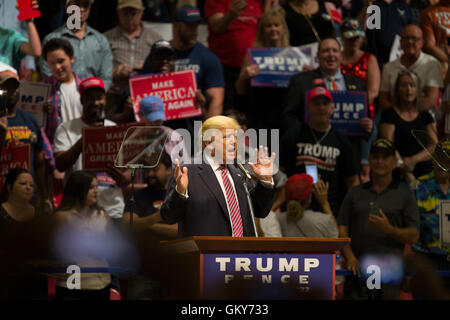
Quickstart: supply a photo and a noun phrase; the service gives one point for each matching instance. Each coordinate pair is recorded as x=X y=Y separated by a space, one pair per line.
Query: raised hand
x=320 y=191
x=181 y=178
x=251 y=71
x=264 y=164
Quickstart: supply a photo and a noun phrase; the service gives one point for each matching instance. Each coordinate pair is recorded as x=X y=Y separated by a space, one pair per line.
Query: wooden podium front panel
x=198 y=274
x=267 y=276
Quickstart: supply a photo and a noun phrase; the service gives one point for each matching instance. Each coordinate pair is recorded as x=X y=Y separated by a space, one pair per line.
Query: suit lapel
x=209 y=178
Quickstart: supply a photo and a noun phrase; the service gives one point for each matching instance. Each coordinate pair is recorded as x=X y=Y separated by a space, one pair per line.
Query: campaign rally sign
x=313 y=47
x=396 y=50
x=273 y=275
x=349 y=108
x=277 y=65
x=14 y=156
x=32 y=96
x=176 y=89
x=101 y=145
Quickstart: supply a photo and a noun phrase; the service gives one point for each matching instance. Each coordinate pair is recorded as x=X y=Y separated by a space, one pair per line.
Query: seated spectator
x=68 y=146
x=130 y=43
x=150 y=229
x=380 y=217
x=232 y=26
x=64 y=101
x=308 y=21
x=79 y=215
x=299 y=220
x=435 y=25
x=22 y=238
x=15 y=46
x=151 y=112
x=191 y=54
x=22 y=128
x=317 y=142
x=363 y=65
x=91 y=49
x=394 y=15
x=146 y=215
x=429 y=190
x=16 y=196
x=397 y=122
x=263 y=110
x=425 y=66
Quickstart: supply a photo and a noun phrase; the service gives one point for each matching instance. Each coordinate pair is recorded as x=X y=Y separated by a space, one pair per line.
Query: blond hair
x=416 y=81
x=296 y=209
x=218 y=123
x=276 y=13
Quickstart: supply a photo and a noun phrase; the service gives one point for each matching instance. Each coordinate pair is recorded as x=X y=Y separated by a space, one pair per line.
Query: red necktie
x=235 y=214
x=334 y=86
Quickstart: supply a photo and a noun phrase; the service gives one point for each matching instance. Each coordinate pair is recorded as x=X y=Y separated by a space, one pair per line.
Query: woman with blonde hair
x=263 y=103
x=397 y=122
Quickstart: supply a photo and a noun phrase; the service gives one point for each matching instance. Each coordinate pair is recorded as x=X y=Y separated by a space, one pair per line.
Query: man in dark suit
x=328 y=75
x=209 y=199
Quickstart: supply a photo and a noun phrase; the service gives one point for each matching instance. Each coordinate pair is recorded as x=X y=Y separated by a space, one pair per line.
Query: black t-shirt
x=300 y=31
x=334 y=158
x=147 y=202
x=405 y=143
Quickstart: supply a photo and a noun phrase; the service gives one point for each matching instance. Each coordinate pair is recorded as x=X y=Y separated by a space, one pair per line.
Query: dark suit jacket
x=294 y=102
x=205 y=212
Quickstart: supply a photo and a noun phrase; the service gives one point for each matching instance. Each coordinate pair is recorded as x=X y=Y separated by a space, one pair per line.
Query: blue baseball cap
x=152 y=108
x=188 y=14
x=352 y=28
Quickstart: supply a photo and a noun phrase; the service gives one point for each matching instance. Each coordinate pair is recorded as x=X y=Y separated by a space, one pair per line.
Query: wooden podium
x=252 y=268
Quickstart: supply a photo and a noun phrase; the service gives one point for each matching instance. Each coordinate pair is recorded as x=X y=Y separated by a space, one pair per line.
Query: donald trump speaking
x=209 y=199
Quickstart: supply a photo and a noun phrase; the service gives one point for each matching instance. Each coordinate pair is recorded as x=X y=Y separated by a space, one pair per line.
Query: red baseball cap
x=317 y=92
x=298 y=186
x=91 y=82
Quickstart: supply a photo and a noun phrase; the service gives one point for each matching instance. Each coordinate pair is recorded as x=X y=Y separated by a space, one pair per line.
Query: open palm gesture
x=264 y=164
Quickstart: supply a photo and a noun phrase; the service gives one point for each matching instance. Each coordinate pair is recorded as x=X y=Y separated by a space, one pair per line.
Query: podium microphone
x=249 y=199
x=244 y=171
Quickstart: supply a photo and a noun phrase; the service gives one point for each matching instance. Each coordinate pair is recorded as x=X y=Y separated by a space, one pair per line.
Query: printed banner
x=313 y=47
x=176 y=89
x=32 y=97
x=277 y=65
x=396 y=50
x=14 y=156
x=444 y=222
x=349 y=108
x=101 y=145
x=273 y=275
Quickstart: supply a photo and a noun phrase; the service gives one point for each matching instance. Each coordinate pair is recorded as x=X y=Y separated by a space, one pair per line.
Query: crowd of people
x=381 y=188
